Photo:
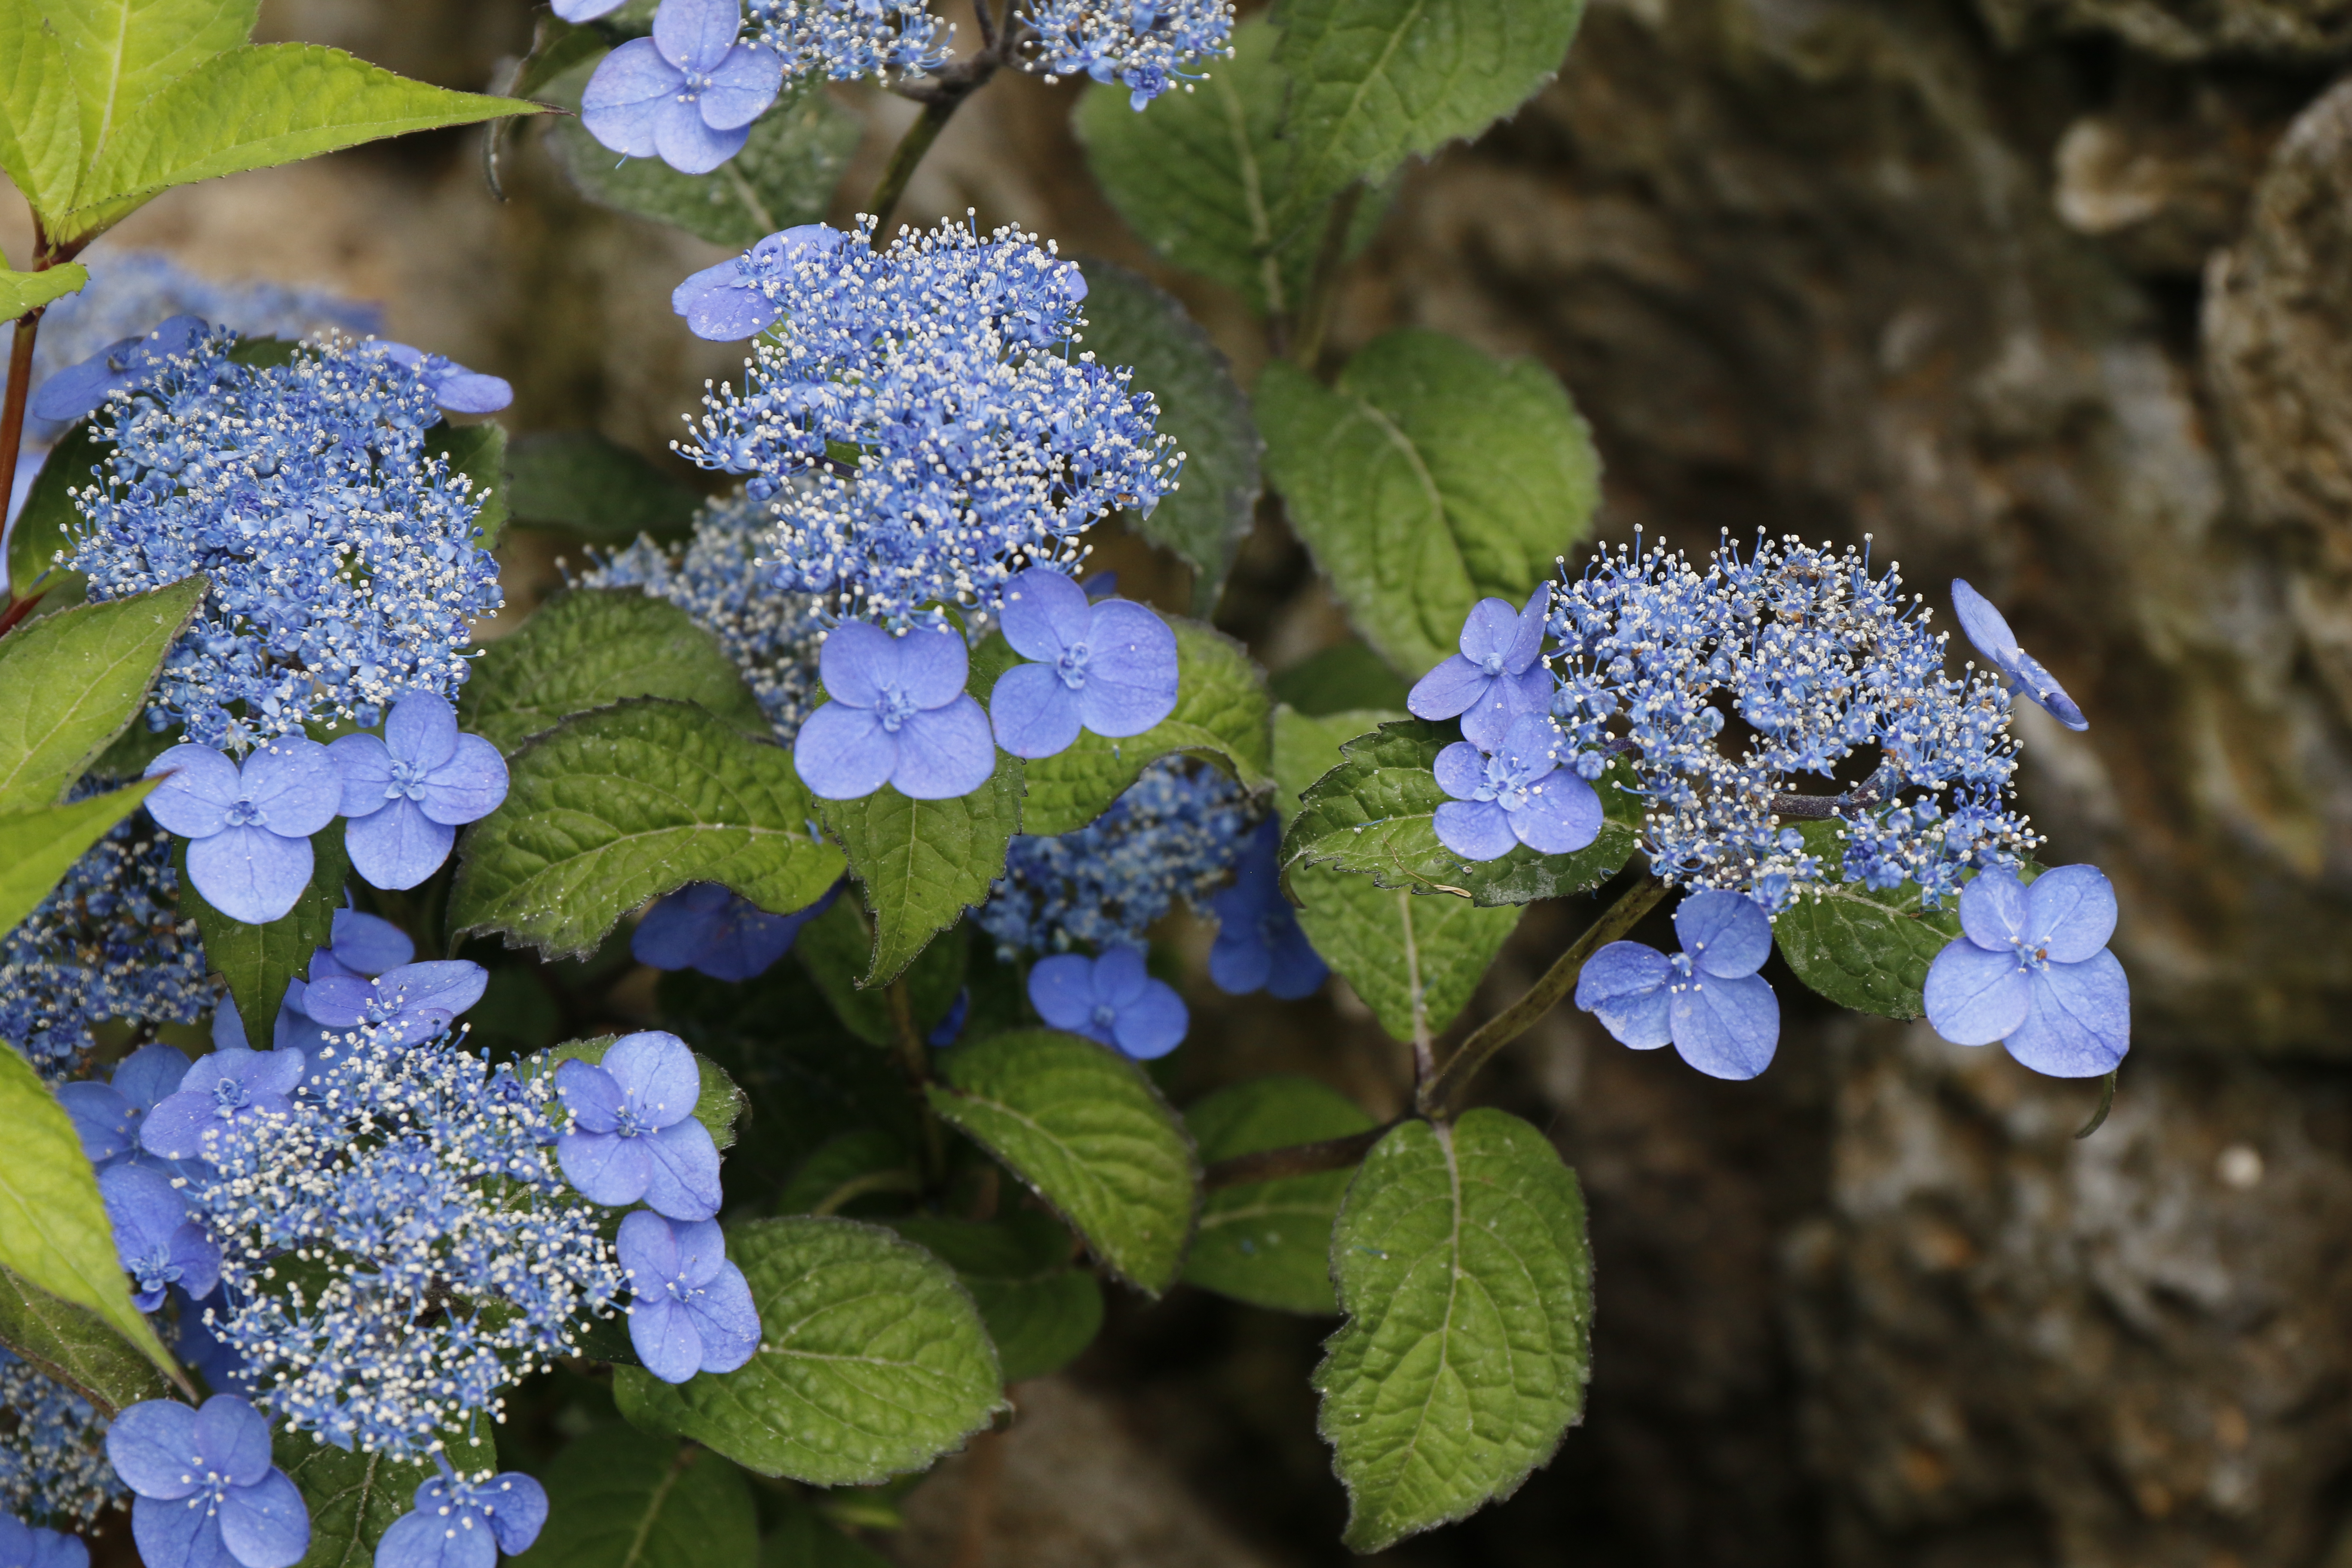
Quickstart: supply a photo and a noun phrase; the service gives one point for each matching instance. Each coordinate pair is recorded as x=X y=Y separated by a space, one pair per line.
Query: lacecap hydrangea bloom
x=847 y=39
x=343 y=560
x=1141 y=45
x=53 y=1467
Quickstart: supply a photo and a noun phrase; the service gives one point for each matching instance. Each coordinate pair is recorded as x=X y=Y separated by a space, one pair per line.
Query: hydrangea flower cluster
x=107 y=943
x=342 y=556
x=1141 y=45
x=53 y=1472
x=847 y=39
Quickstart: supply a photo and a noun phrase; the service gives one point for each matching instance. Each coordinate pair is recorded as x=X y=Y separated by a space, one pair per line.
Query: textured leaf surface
x=1130 y=322
x=1269 y=1243
x=71 y=682
x=1373 y=82
x=354 y=1498
x=1862 y=949
x=120 y=53
x=41 y=123
x=923 y=862
x=37 y=848
x=1416 y=961
x=1085 y=1128
x=718 y=1106
x=1462 y=1265
x=1306 y=748
x=872 y=1360
x=1375 y=815
x=835 y=950
x=480 y=453
x=599 y=489
x=615 y=805
x=74 y=1345
x=54 y=1234
x=39 y=531
x=1430 y=477
x=259 y=961
x=784 y=176
x=622 y=1498
x=23 y=291
x=590 y=647
x=1222 y=712
x=1040 y=1312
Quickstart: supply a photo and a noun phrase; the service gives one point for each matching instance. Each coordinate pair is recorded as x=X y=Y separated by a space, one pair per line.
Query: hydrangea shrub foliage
x=725 y=1016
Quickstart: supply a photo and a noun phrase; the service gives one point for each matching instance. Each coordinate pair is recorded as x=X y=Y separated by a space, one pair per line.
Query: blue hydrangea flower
x=249 y=826
x=73 y=394
x=1497 y=676
x=688 y=93
x=710 y=927
x=1110 y=666
x=692 y=1310
x=2031 y=970
x=109 y=942
x=407 y=793
x=400 y=1007
x=219 y=1095
x=1111 y=1000
x=207 y=1492
x=159 y=1244
x=368 y=944
x=1259 y=944
x=899 y=715
x=1141 y=45
x=363 y=946
x=1520 y=794
x=847 y=39
x=1989 y=629
x=462 y=1523
x=984 y=441
x=453 y=387
x=222 y=1370
x=949 y=1028
x=24 y=1545
x=53 y=1468
x=736 y=300
x=107 y=1116
x=1707 y=999
x=634 y=1135
x=577 y=11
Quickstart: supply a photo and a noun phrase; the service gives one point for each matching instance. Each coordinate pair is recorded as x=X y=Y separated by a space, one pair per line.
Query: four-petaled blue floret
x=107 y=1116
x=1259 y=945
x=408 y=792
x=899 y=715
x=1498 y=675
x=207 y=1494
x=710 y=928
x=634 y=1135
x=1989 y=629
x=247 y=826
x=398 y=1007
x=1109 y=667
x=2031 y=970
x=74 y=394
x=1707 y=999
x=454 y=389
x=1519 y=795
x=689 y=94
x=692 y=1310
x=217 y=1096
x=1110 y=1000
x=461 y=1523
x=740 y=299
x=159 y=1244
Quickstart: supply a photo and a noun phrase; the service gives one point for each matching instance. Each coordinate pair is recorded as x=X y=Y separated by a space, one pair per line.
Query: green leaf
x=717 y=1107
x=599 y=489
x=622 y=1498
x=1344 y=676
x=75 y=1346
x=1269 y=1243
x=70 y=683
x=1374 y=815
x=1862 y=949
x=1085 y=1129
x=120 y=53
x=480 y=453
x=1222 y=712
x=614 y=807
x=40 y=531
x=354 y=1498
x=1374 y=82
x=1430 y=477
x=23 y=291
x=37 y=848
x=835 y=949
x=258 y=106
x=40 y=123
x=866 y=1164
x=590 y=647
x=803 y=1538
x=1130 y=322
x=872 y=1360
x=923 y=862
x=784 y=176
x=257 y=961
x=54 y=1234
x=1462 y=1265
x=1040 y=1312
x=1305 y=748
x=1416 y=961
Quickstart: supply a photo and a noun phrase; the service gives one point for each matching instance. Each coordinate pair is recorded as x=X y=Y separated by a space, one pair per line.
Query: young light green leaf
x=624 y=1498
x=23 y=291
x=579 y=481
x=1415 y=961
x=40 y=532
x=1864 y=949
x=1305 y=748
x=1430 y=477
x=36 y=848
x=1041 y=1313
x=75 y=1346
x=354 y=1498
x=718 y=1107
x=784 y=176
x=1130 y=322
x=1269 y=1243
x=54 y=1233
x=1373 y=82
x=1461 y=1264
x=616 y=806
x=40 y=123
x=1374 y=815
x=835 y=950
x=480 y=453
x=923 y=862
x=120 y=53
x=1222 y=712
x=1085 y=1129
x=71 y=682
x=259 y=961
x=872 y=1360
x=590 y=647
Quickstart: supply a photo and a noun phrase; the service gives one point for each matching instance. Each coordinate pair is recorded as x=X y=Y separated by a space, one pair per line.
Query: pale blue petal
x=250 y=874
x=1033 y=712
x=944 y=753
x=648 y=1247
x=726 y=1320
x=656 y=1072
x=625 y=96
x=1461 y=770
x=1130 y=670
x=1061 y=987
x=363 y=764
x=422 y=730
x=664 y=1338
x=741 y=89
x=397 y=848
x=1528 y=634
x=1727 y=935
x=933 y=666
x=295 y=783
x=367 y=944
x=1992 y=909
x=2078 y=1021
x=1726 y=1028
x=1454 y=687
x=185 y=1534
x=451 y=984
x=1975 y=996
x=1625 y=986
x=857 y=662
x=591 y=1095
x=1488 y=631
x=682 y=1182
x=719 y=304
x=1984 y=625
x=1561 y=816
x=469 y=785
x=842 y=753
x=695 y=35
x=1044 y=614
x=690 y=146
x=1152 y=1024
x=194 y=801
x=1474 y=829
x=234 y=1438
x=2070 y=913
x=603 y=1167
x=151 y=1445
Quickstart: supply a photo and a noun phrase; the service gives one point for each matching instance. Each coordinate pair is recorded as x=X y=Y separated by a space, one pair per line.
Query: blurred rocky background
x=2056 y=294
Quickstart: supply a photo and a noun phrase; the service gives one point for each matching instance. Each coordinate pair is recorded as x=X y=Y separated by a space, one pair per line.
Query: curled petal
x=1985 y=626
x=1727 y=935
x=2077 y=1019
x=1625 y=986
x=1974 y=995
x=1726 y=1028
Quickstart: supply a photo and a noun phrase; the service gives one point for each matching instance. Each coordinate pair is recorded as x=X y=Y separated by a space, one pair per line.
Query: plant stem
x=12 y=412
x=1323 y=283
x=1296 y=1159
x=915 y=1062
x=1440 y=1098
x=937 y=111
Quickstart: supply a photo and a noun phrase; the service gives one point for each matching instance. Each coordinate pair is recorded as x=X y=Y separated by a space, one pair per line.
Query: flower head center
x=1492 y=664
x=1103 y=1015
x=407 y=781
x=1681 y=964
x=243 y=812
x=2030 y=956
x=229 y=1095
x=693 y=85
x=893 y=709
x=631 y=1123
x=1071 y=666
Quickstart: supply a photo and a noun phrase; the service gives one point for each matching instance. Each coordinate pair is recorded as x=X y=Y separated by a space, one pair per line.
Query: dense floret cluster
x=53 y=1468
x=847 y=39
x=1141 y=45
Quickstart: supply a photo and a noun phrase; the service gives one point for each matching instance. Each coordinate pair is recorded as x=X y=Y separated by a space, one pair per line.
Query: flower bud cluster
x=1141 y=45
x=847 y=39
x=53 y=1468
